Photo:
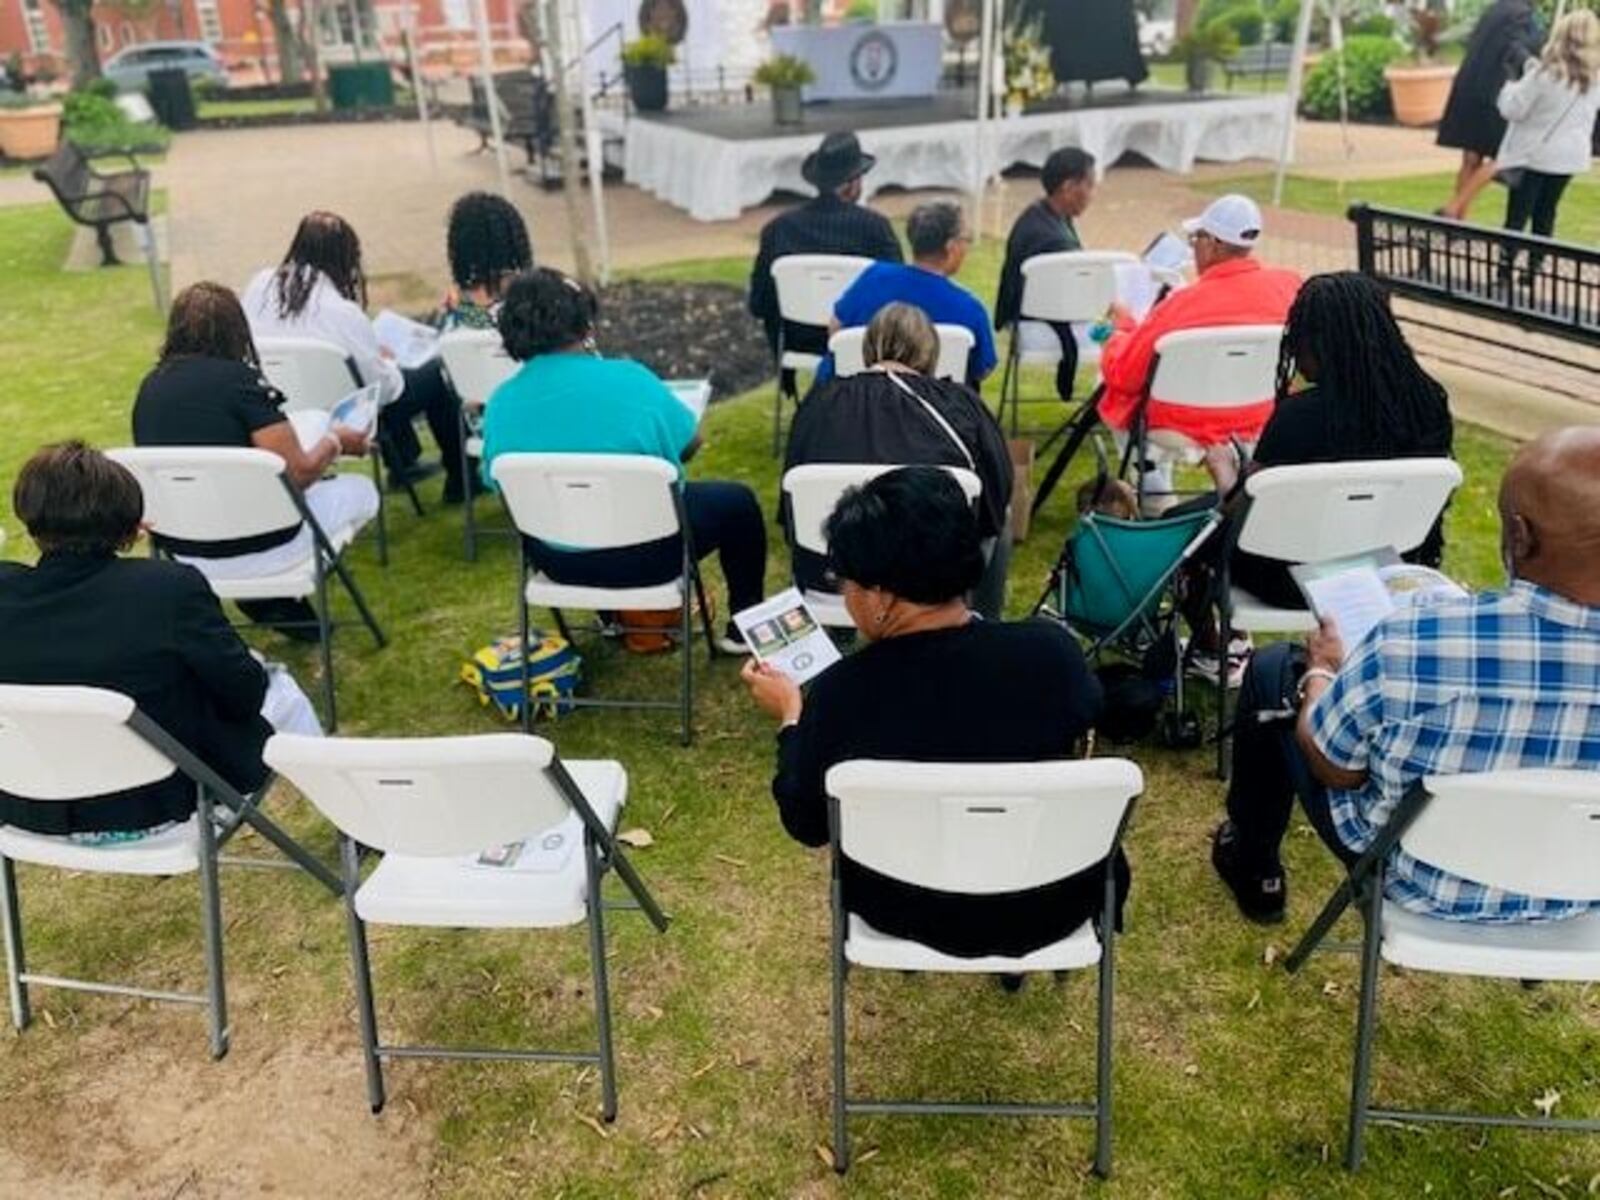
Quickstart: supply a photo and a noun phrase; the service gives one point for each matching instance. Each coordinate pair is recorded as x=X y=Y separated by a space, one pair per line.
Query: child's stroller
x=1113 y=586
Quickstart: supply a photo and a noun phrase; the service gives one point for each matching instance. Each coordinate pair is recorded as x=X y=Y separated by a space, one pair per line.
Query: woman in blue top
x=567 y=399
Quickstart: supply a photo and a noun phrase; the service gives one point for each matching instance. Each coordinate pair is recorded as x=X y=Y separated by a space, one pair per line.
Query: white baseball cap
x=1232 y=219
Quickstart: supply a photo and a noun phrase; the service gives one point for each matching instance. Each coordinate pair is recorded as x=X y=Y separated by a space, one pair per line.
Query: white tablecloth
x=895 y=60
x=715 y=179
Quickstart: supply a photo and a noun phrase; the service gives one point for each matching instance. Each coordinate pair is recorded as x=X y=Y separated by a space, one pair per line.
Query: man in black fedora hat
x=835 y=222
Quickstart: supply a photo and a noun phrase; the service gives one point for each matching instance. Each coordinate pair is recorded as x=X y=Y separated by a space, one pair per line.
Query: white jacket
x=1550 y=123
x=329 y=316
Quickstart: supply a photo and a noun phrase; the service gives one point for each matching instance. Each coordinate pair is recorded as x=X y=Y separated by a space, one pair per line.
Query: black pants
x=427 y=394
x=1067 y=368
x=1269 y=768
x=724 y=517
x=1535 y=198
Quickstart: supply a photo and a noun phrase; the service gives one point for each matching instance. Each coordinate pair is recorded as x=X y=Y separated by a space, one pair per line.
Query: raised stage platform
x=715 y=162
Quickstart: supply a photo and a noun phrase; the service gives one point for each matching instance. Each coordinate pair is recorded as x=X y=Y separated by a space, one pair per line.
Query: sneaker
x=729 y=641
x=1261 y=898
x=1204 y=664
x=400 y=478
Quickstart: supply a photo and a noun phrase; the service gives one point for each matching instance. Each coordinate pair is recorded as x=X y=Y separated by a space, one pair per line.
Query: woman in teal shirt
x=566 y=399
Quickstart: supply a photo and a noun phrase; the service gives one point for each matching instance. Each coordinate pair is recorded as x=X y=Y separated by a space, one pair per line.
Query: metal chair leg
x=11 y=915
x=1107 y=972
x=1224 y=717
x=602 y=991
x=1366 y=1022
x=211 y=926
x=524 y=700
x=361 y=968
x=468 y=498
x=841 y=1129
x=360 y=601
x=330 y=702
x=686 y=694
x=383 y=507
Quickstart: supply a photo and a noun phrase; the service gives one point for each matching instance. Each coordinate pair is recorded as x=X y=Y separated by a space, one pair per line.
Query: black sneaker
x=1261 y=898
x=401 y=478
x=454 y=492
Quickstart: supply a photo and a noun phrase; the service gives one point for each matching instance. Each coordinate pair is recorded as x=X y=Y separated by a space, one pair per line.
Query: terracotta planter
x=30 y=132
x=1419 y=94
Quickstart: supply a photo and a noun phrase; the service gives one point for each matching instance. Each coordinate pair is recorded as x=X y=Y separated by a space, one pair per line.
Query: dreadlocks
x=206 y=321
x=1341 y=336
x=326 y=244
x=487 y=242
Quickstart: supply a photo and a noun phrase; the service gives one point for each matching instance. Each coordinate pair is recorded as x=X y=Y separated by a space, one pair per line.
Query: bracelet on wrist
x=1322 y=673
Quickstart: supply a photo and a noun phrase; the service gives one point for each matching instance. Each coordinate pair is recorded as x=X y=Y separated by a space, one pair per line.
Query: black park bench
x=95 y=198
x=1262 y=60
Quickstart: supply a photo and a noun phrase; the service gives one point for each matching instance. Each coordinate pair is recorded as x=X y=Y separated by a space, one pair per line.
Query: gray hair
x=933 y=226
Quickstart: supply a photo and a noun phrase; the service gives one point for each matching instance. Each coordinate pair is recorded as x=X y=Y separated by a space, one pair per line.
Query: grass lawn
x=1578 y=219
x=1232 y=1077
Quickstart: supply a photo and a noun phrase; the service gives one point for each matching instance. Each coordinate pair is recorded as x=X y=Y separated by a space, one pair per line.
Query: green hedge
x=1365 y=58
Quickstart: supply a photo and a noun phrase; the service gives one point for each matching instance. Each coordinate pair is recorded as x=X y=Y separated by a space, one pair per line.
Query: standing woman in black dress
x=1505 y=36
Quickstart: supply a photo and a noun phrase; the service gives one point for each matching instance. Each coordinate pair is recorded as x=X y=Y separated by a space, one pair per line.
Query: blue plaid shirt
x=1498 y=681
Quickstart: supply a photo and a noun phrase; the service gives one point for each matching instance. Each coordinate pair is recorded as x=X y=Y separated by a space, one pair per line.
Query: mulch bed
x=686 y=331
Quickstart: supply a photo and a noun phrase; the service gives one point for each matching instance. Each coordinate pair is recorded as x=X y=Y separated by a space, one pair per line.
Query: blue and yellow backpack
x=495 y=673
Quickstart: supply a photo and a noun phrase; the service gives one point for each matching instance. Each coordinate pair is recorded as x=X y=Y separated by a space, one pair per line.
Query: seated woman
x=894 y=412
x=487 y=242
x=905 y=547
x=206 y=389
x=1368 y=399
x=147 y=628
x=320 y=291
x=566 y=398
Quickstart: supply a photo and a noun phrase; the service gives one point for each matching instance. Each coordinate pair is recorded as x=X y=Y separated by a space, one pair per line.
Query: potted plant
x=29 y=127
x=1202 y=48
x=785 y=75
x=1420 y=89
x=644 y=63
x=862 y=12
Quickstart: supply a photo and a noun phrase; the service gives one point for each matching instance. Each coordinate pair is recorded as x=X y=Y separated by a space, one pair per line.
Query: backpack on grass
x=554 y=670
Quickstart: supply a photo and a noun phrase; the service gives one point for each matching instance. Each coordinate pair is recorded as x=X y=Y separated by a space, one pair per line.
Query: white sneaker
x=729 y=642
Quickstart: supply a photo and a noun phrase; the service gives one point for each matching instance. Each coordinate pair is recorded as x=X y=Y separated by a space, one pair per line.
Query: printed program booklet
x=693 y=394
x=544 y=854
x=357 y=412
x=410 y=343
x=784 y=633
x=1357 y=593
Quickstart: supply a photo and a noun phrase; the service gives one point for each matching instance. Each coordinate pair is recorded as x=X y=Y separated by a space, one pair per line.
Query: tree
x=556 y=37
x=77 y=18
x=291 y=51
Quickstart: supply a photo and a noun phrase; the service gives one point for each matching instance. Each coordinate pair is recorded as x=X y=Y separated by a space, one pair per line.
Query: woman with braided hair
x=487 y=243
x=1365 y=397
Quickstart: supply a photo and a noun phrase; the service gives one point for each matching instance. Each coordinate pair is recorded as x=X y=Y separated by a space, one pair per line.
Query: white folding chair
x=808 y=286
x=813 y=493
x=977 y=829
x=1534 y=832
x=1065 y=287
x=200 y=494
x=603 y=502
x=955 y=348
x=1318 y=512
x=475 y=363
x=432 y=806
x=315 y=375
x=1227 y=366
x=77 y=743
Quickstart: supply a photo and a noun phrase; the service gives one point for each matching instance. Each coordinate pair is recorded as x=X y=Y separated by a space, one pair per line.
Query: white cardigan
x=329 y=316
x=1550 y=123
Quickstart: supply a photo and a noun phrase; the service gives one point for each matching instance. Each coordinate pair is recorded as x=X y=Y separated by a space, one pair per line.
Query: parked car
x=130 y=67
x=1156 y=36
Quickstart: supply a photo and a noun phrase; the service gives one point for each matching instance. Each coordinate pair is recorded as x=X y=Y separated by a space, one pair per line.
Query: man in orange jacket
x=1232 y=289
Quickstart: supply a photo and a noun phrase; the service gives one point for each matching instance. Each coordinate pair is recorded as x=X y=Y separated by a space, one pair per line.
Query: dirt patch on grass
x=686 y=331
x=154 y=1119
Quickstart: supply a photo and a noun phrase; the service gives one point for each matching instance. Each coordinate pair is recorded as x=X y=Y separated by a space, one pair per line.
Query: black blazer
x=155 y=632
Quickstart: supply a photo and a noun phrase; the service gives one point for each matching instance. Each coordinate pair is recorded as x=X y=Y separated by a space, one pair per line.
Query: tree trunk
x=291 y=54
x=555 y=36
x=77 y=20
x=311 y=43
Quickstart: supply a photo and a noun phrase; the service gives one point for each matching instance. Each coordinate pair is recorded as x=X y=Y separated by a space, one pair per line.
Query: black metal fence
x=1534 y=283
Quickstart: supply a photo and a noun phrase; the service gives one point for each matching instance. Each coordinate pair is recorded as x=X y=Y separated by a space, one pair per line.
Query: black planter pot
x=647 y=86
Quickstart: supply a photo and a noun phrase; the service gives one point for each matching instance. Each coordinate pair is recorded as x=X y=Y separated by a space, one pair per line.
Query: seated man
x=939 y=240
x=1232 y=289
x=147 y=628
x=835 y=222
x=1499 y=681
x=1046 y=227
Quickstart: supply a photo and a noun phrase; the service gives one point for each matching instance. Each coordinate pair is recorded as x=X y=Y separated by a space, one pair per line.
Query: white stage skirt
x=715 y=179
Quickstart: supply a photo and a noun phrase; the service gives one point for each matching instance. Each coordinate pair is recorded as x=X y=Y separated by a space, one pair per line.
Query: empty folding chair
x=78 y=743
x=955 y=348
x=1226 y=367
x=316 y=375
x=1316 y=513
x=475 y=362
x=808 y=286
x=1531 y=832
x=977 y=829
x=602 y=502
x=199 y=494
x=435 y=808
x=813 y=492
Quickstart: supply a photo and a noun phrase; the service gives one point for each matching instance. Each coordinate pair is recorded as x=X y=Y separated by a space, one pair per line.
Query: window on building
x=38 y=31
x=102 y=34
x=210 y=21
